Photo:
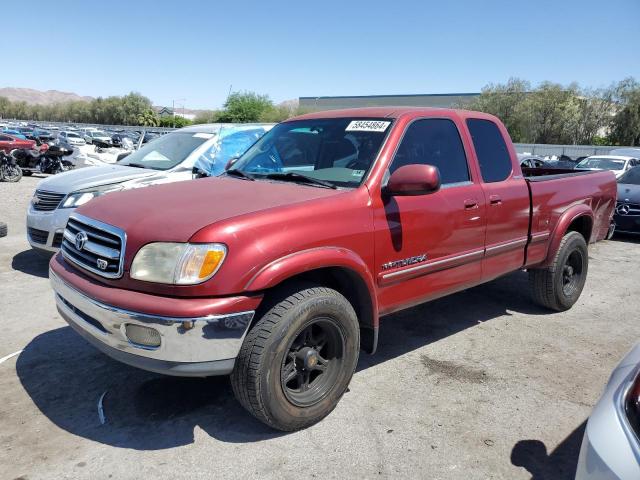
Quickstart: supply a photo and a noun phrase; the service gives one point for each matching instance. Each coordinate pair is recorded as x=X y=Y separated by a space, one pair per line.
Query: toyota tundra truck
x=279 y=271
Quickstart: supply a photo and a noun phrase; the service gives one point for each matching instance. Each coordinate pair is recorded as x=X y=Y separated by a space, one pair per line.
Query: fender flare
x=303 y=261
x=566 y=219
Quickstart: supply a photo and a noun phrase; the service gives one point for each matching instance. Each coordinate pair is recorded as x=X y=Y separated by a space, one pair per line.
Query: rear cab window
x=491 y=150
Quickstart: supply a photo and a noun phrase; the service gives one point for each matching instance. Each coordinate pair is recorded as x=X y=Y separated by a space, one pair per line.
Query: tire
x=3 y=229
x=276 y=360
x=559 y=286
x=11 y=173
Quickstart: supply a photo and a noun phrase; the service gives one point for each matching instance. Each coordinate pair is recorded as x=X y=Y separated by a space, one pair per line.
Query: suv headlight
x=178 y=263
x=75 y=199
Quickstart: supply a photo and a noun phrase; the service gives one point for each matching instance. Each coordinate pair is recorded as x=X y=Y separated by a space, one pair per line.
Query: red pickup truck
x=279 y=271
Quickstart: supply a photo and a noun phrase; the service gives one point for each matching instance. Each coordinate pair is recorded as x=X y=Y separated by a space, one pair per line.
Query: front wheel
x=559 y=286
x=298 y=359
x=11 y=173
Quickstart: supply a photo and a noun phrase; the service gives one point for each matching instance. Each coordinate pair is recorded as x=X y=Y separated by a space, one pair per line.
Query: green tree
x=148 y=118
x=505 y=102
x=245 y=107
x=625 y=127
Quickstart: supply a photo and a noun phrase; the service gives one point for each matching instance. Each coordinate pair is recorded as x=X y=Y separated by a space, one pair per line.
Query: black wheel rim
x=312 y=362
x=572 y=273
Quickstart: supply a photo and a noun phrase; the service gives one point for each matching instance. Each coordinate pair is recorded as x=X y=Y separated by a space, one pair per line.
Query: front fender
x=566 y=219
x=297 y=263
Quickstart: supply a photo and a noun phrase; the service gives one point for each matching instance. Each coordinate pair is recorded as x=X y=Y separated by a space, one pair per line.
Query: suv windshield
x=336 y=150
x=602 y=163
x=631 y=177
x=167 y=151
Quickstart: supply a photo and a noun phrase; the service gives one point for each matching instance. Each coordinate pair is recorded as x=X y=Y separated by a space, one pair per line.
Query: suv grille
x=94 y=246
x=627 y=209
x=46 y=201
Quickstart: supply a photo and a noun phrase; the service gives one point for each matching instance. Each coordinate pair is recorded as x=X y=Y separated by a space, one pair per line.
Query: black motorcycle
x=9 y=170
x=50 y=161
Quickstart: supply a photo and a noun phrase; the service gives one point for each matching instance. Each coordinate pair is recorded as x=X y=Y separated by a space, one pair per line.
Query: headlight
x=75 y=199
x=178 y=263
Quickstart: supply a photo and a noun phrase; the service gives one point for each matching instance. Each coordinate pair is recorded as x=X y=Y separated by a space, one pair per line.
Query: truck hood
x=90 y=177
x=174 y=212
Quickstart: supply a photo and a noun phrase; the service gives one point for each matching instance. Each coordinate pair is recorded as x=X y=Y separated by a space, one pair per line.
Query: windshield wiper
x=239 y=174
x=135 y=165
x=299 y=178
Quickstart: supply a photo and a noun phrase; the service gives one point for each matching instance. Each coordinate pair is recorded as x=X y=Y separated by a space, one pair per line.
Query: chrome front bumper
x=201 y=346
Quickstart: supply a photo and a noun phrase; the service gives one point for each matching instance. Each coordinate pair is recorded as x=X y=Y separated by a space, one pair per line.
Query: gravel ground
x=482 y=384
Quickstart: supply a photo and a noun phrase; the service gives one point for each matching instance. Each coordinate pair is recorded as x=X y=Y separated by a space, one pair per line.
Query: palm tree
x=148 y=118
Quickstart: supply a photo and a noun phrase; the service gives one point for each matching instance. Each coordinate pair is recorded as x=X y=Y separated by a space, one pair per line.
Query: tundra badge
x=405 y=262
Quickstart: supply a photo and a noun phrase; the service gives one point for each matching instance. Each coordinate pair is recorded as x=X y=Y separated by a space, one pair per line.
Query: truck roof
x=388 y=112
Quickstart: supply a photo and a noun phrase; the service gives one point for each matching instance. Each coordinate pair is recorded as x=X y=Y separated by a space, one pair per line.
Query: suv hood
x=90 y=177
x=628 y=192
x=174 y=212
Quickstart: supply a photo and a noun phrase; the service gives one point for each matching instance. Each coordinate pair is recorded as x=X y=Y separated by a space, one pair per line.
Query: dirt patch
x=454 y=370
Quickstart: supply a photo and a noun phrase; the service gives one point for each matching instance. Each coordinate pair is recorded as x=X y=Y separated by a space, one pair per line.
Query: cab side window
x=491 y=150
x=434 y=141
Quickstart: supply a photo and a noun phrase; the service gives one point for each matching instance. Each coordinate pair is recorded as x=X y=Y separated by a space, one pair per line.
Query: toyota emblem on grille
x=81 y=239
x=622 y=209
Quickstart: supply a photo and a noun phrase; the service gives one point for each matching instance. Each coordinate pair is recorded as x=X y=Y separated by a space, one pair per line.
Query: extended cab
x=278 y=271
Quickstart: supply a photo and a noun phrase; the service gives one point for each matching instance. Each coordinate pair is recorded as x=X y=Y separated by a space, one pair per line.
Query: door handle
x=495 y=199
x=470 y=203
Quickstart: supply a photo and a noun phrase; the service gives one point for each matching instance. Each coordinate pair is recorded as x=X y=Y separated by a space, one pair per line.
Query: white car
x=90 y=136
x=71 y=138
x=170 y=158
x=611 y=444
x=618 y=164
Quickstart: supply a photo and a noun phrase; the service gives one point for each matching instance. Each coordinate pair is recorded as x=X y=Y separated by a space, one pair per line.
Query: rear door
x=430 y=245
x=507 y=198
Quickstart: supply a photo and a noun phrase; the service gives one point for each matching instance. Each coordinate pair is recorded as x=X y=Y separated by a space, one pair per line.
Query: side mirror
x=231 y=162
x=413 y=180
x=197 y=173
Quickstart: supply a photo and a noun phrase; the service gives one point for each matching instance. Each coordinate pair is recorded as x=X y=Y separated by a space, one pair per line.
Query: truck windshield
x=601 y=163
x=167 y=151
x=631 y=177
x=338 y=151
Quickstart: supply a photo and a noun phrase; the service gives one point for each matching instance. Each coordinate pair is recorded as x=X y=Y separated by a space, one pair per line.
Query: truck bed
x=543 y=174
x=554 y=192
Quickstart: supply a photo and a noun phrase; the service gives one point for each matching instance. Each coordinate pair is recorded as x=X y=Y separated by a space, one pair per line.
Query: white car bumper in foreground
x=44 y=229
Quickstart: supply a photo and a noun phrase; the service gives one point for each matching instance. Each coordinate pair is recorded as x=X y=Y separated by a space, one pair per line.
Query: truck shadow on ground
x=32 y=262
x=65 y=376
x=560 y=464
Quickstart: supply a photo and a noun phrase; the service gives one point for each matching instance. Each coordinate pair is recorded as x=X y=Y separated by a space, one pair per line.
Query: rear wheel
x=298 y=359
x=559 y=286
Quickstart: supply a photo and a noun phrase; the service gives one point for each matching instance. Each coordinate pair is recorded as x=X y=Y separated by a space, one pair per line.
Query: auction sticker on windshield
x=367 y=126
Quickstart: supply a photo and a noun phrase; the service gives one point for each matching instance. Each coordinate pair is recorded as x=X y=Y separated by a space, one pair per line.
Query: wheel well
x=343 y=280
x=583 y=226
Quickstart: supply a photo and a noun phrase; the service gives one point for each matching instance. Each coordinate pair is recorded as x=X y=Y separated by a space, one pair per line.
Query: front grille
x=625 y=209
x=57 y=240
x=38 y=236
x=46 y=201
x=94 y=246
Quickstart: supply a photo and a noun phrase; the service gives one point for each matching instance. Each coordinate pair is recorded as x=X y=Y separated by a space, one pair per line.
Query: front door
x=430 y=245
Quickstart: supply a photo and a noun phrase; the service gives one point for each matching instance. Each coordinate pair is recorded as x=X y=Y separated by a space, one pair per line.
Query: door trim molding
x=430 y=267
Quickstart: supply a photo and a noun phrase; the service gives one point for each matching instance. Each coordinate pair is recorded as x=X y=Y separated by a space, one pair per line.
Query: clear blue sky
x=195 y=50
